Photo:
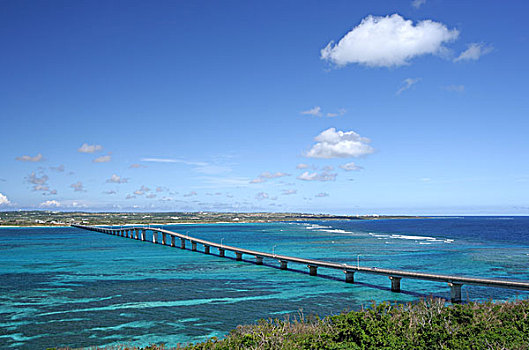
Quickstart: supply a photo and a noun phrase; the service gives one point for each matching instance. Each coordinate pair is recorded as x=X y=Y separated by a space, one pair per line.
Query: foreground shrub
x=427 y=324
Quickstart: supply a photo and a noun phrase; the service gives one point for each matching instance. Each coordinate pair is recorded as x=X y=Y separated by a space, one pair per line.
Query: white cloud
x=316 y=111
x=117 y=179
x=388 y=41
x=86 y=148
x=103 y=159
x=261 y=196
x=34 y=179
x=190 y=194
x=201 y=167
x=289 y=192
x=418 y=3
x=268 y=175
x=143 y=189
x=50 y=204
x=26 y=158
x=351 y=167
x=339 y=144
x=474 y=52
x=110 y=192
x=406 y=84
x=328 y=168
x=340 y=112
x=78 y=186
x=323 y=176
x=3 y=200
x=455 y=88
x=302 y=166
x=321 y=195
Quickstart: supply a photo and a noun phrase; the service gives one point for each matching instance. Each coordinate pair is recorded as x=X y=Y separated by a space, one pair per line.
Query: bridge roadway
x=454 y=282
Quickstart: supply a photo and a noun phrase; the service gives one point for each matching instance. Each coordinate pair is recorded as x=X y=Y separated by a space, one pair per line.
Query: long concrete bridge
x=454 y=282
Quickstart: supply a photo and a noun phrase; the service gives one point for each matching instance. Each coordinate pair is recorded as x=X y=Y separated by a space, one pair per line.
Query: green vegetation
x=51 y=218
x=428 y=324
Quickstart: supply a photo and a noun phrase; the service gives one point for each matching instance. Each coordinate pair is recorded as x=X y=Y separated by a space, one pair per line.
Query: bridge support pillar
x=172 y=241
x=206 y=249
x=154 y=237
x=121 y=233
x=395 y=283
x=142 y=234
x=164 y=238
x=259 y=260
x=283 y=264
x=455 y=292
x=183 y=243
x=194 y=246
x=136 y=233
x=313 y=270
x=238 y=256
x=222 y=252
x=131 y=234
x=349 y=276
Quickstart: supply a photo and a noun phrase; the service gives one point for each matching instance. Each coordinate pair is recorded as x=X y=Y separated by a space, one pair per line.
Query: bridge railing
x=454 y=282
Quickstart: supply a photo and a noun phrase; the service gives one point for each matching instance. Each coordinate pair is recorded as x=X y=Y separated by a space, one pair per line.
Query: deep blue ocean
x=72 y=287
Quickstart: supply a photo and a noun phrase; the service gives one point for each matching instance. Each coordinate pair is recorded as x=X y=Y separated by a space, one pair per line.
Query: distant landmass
x=52 y=218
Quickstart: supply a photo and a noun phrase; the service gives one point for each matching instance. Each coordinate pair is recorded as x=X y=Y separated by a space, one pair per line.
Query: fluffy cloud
x=388 y=41
x=26 y=158
x=323 y=176
x=351 y=167
x=321 y=195
x=190 y=194
x=103 y=159
x=340 y=112
x=40 y=183
x=3 y=200
x=117 y=179
x=86 y=148
x=406 y=84
x=50 y=204
x=34 y=179
x=316 y=111
x=110 y=192
x=78 y=186
x=142 y=190
x=474 y=52
x=268 y=175
x=289 y=192
x=418 y=3
x=302 y=166
x=339 y=144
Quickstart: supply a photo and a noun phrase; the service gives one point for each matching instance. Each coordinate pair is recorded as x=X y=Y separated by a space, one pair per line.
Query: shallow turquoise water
x=67 y=286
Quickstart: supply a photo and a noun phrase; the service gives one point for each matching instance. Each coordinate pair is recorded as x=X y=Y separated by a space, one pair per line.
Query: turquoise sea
x=72 y=287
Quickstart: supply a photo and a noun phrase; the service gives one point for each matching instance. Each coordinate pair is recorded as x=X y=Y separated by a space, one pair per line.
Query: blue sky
x=346 y=107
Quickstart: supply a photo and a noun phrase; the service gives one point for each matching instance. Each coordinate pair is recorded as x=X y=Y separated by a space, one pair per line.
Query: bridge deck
x=392 y=273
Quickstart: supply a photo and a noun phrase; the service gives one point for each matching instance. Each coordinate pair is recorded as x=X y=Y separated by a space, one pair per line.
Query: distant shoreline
x=205 y=222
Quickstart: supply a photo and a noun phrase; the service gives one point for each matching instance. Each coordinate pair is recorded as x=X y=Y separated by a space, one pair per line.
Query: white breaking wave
x=424 y=239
